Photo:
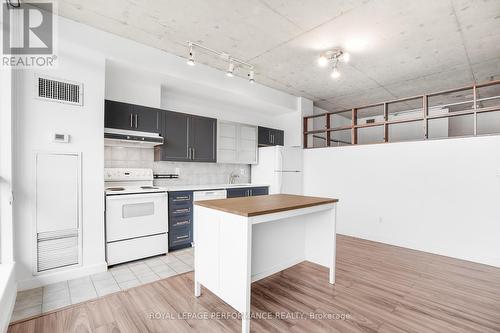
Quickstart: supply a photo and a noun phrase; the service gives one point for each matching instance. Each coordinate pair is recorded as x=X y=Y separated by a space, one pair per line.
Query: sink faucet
x=232 y=177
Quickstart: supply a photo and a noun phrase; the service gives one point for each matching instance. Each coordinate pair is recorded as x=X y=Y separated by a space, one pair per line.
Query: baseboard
x=415 y=247
x=54 y=277
x=8 y=293
x=276 y=269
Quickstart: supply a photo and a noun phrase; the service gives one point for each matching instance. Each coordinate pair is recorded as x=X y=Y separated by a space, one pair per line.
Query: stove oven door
x=135 y=215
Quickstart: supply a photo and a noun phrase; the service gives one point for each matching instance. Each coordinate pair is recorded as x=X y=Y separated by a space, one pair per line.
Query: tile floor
x=120 y=277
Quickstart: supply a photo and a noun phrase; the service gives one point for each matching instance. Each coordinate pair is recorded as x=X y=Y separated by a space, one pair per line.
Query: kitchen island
x=241 y=240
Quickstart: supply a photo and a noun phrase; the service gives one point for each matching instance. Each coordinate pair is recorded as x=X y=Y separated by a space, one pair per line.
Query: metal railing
x=325 y=133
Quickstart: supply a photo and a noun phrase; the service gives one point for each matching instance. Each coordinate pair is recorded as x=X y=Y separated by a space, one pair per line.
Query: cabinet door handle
x=136 y=117
x=194 y=151
x=189 y=153
x=131 y=120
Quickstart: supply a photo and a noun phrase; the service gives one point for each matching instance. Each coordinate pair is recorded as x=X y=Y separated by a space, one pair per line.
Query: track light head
x=230 y=69
x=190 y=60
x=251 y=76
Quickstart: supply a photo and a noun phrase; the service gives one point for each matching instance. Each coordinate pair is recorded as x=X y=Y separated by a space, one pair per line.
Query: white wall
x=128 y=85
x=437 y=196
x=36 y=122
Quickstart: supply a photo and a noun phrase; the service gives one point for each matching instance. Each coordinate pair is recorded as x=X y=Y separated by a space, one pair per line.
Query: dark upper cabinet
x=187 y=138
x=146 y=119
x=202 y=137
x=175 y=130
x=271 y=137
x=131 y=117
x=118 y=115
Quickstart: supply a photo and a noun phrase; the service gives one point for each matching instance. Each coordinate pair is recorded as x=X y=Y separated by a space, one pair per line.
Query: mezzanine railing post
x=305 y=132
x=425 y=110
x=354 y=129
x=327 y=115
x=474 y=106
x=386 y=125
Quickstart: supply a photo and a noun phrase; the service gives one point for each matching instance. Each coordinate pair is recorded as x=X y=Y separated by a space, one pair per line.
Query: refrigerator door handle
x=280 y=183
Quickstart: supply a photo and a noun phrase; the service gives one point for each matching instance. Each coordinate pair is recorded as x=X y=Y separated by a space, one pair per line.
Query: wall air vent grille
x=61 y=91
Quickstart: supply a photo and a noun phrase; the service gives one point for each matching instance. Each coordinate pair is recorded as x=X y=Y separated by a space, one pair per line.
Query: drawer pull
x=182 y=210
x=182 y=198
x=183 y=237
x=182 y=223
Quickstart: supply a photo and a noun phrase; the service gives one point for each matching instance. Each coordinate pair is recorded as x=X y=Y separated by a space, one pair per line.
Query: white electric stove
x=136 y=215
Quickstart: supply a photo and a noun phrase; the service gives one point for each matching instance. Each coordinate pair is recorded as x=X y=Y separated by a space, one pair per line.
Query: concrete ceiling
x=398 y=48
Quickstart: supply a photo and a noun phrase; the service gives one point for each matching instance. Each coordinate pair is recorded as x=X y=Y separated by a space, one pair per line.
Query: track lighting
x=230 y=69
x=190 y=60
x=251 y=76
x=234 y=63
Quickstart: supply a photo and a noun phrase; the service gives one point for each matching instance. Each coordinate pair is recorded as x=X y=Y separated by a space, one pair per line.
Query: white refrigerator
x=279 y=167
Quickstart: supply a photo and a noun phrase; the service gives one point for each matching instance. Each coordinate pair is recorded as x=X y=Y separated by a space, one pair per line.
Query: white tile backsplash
x=191 y=173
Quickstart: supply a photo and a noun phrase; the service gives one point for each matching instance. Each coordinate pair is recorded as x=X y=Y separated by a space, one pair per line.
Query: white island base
x=232 y=251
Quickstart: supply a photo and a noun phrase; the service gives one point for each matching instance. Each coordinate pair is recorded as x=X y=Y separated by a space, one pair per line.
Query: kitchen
x=179 y=160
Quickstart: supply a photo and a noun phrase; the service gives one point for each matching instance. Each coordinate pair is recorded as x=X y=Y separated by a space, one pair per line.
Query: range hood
x=124 y=138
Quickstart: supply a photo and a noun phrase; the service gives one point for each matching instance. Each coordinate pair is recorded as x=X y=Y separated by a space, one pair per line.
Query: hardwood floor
x=380 y=288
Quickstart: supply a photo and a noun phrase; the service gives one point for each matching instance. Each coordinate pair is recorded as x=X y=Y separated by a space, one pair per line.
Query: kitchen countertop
x=261 y=205
x=202 y=187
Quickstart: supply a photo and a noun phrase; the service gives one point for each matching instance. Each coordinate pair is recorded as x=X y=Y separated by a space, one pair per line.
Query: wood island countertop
x=264 y=204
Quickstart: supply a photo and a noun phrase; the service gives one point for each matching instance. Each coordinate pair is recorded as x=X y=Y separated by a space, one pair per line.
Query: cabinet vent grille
x=59 y=90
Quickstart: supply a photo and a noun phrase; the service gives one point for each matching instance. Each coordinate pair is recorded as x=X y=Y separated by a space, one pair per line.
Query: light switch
x=242 y=172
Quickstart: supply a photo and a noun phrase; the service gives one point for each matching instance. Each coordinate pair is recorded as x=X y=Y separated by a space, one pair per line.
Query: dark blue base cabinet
x=247 y=191
x=180 y=214
x=180 y=220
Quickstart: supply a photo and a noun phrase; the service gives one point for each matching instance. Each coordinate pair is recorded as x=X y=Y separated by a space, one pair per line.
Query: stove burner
x=115 y=189
x=149 y=187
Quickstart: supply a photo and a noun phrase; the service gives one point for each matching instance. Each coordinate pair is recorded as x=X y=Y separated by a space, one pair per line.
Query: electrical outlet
x=242 y=172
x=177 y=171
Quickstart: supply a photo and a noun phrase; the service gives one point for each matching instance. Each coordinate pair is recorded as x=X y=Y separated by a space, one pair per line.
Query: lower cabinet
x=180 y=220
x=247 y=191
x=180 y=214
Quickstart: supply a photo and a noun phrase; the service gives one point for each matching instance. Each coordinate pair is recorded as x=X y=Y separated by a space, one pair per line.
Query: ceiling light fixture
x=234 y=63
x=333 y=57
x=190 y=60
